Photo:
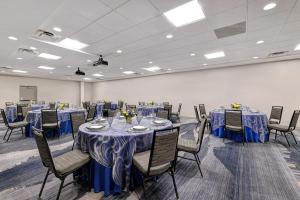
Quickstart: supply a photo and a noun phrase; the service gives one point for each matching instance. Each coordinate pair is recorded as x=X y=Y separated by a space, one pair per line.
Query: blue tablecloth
x=148 y=110
x=255 y=126
x=11 y=111
x=34 y=119
x=99 y=107
x=112 y=150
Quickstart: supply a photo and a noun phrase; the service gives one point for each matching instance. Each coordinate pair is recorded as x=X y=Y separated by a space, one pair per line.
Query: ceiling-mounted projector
x=79 y=72
x=100 y=61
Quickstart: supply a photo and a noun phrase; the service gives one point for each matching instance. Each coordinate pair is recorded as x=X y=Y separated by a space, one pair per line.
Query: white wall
x=48 y=90
x=259 y=86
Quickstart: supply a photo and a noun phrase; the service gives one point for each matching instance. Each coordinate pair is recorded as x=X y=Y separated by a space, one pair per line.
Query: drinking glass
x=139 y=117
x=110 y=121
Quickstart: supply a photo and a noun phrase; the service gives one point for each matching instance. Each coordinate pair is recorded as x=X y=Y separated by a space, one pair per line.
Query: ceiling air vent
x=5 y=67
x=278 y=53
x=24 y=50
x=46 y=35
x=231 y=30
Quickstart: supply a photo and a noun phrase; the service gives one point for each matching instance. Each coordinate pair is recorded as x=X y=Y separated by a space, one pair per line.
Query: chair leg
x=294 y=137
x=9 y=135
x=276 y=135
x=73 y=145
x=287 y=139
x=6 y=133
x=60 y=187
x=22 y=130
x=175 y=162
x=198 y=163
x=174 y=183
x=44 y=182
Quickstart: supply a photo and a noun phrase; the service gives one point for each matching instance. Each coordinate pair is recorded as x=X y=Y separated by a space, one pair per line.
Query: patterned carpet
x=268 y=171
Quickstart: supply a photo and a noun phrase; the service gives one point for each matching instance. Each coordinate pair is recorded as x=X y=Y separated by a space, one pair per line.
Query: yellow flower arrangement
x=236 y=105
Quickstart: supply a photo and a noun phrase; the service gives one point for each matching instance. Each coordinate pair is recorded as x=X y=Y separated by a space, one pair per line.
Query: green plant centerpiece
x=236 y=106
x=151 y=103
x=128 y=114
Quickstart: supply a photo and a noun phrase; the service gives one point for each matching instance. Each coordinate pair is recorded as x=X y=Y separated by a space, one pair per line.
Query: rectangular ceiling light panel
x=218 y=54
x=49 y=56
x=187 y=13
x=72 y=44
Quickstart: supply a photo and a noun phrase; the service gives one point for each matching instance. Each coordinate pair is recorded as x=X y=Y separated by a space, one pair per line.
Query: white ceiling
x=138 y=28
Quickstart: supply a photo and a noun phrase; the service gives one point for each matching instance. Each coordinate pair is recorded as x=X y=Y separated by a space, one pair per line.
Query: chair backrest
x=276 y=113
x=179 y=108
x=294 y=120
x=25 y=110
x=164 y=145
x=52 y=105
x=107 y=105
x=233 y=118
x=169 y=109
x=201 y=131
x=9 y=103
x=131 y=107
x=49 y=116
x=4 y=117
x=165 y=103
x=43 y=149
x=77 y=118
x=162 y=114
x=19 y=109
x=86 y=105
x=91 y=112
x=202 y=110
x=197 y=114
x=120 y=104
x=41 y=102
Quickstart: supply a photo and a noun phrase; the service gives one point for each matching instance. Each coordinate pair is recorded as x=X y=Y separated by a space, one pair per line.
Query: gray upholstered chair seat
x=278 y=127
x=70 y=161
x=51 y=125
x=18 y=124
x=234 y=128
x=274 y=121
x=141 y=161
x=187 y=145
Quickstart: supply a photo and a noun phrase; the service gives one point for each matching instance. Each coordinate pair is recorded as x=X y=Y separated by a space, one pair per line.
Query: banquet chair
x=202 y=112
x=25 y=110
x=161 y=157
x=176 y=116
x=286 y=129
x=162 y=114
x=192 y=146
x=234 y=123
x=50 y=120
x=12 y=126
x=91 y=113
x=197 y=116
x=52 y=105
x=169 y=109
x=166 y=104
x=86 y=105
x=131 y=107
x=9 y=103
x=120 y=105
x=276 y=114
x=77 y=118
x=61 y=166
x=106 y=108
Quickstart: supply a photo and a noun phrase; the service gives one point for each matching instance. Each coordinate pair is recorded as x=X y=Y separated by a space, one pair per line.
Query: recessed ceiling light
x=72 y=44
x=255 y=57
x=128 y=72
x=204 y=64
x=88 y=61
x=19 y=71
x=192 y=54
x=270 y=6
x=218 y=54
x=169 y=36
x=119 y=51
x=152 y=69
x=46 y=67
x=121 y=68
x=19 y=58
x=150 y=62
x=97 y=75
x=32 y=48
x=260 y=42
x=49 y=56
x=297 y=47
x=12 y=38
x=187 y=13
x=69 y=66
x=57 y=29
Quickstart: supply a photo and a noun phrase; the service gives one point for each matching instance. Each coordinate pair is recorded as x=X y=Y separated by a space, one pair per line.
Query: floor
x=231 y=171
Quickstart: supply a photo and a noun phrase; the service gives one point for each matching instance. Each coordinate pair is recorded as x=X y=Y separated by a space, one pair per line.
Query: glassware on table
x=110 y=121
x=139 y=117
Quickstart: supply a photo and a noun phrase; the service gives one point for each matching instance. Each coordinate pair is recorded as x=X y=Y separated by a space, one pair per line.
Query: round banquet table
x=148 y=110
x=34 y=119
x=255 y=126
x=99 y=107
x=11 y=111
x=112 y=151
